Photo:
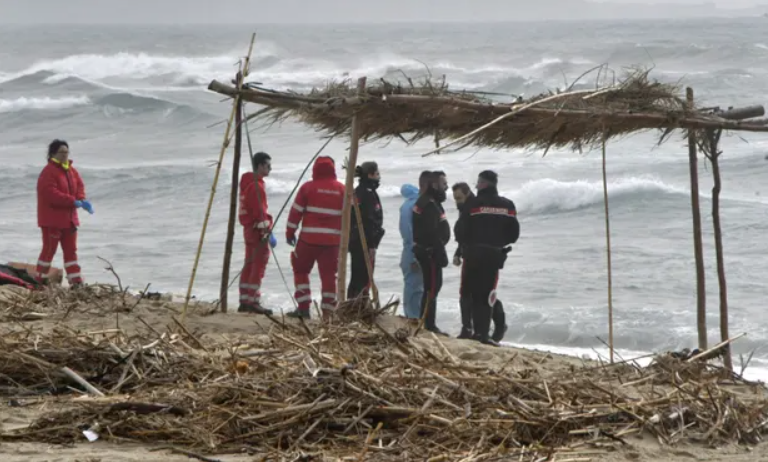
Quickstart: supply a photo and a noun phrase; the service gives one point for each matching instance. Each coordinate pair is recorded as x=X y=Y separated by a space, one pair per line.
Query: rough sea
x=133 y=104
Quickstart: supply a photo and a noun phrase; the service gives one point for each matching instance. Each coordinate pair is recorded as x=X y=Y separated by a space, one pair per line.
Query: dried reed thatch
x=351 y=392
x=579 y=119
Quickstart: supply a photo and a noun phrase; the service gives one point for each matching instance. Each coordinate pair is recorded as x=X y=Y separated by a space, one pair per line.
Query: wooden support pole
x=608 y=254
x=713 y=138
x=366 y=254
x=224 y=147
x=349 y=194
x=233 y=199
x=698 y=248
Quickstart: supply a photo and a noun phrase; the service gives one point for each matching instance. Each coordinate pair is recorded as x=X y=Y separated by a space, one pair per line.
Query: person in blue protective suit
x=413 y=287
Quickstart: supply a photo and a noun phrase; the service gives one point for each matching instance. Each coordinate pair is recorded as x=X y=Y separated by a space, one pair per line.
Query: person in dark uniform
x=372 y=218
x=486 y=228
x=431 y=233
x=462 y=192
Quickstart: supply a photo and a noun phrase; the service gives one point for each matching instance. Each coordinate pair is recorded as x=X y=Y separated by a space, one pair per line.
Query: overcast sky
x=298 y=11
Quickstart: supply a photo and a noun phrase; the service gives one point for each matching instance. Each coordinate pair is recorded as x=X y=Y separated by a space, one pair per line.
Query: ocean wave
x=42 y=104
x=550 y=195
x=173 y=73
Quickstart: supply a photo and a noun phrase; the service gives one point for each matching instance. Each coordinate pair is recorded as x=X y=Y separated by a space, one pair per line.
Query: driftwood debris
x=359 y=389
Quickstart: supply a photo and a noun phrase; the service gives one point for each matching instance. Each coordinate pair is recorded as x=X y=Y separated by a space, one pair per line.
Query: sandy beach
x=100 y=314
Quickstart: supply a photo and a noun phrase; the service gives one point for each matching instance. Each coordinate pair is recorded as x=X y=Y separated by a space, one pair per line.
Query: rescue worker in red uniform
x=372 y=218
x=60 y=192
x=486 y=228
x=317 y=209
x=257 y=223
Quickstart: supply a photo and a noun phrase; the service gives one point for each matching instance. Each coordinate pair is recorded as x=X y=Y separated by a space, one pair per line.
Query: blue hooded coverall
x=413 y=287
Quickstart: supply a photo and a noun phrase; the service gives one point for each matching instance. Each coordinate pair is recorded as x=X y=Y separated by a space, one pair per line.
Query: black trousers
x=432 y=273
x=465 y=306
x=359 y=282
x=478 y=283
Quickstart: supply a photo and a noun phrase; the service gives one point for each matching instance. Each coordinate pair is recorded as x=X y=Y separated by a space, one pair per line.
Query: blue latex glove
x=78 y=204
x=87 y=206
x=272 y=241
x=291 y=241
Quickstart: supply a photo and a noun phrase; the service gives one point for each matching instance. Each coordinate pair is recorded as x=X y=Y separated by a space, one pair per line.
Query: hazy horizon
x=193 y=12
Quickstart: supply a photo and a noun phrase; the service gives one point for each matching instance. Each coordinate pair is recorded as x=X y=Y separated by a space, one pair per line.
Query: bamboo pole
x=608 y=253
x=367 y=256
x=341 y=282
x=698 y=249
x=233 y=200
x=224 y=147
x=713 y=139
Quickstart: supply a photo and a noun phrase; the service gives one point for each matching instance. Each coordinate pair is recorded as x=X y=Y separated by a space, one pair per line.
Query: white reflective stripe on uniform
x=298 y=208
x=43 y=275
x=245 y=297
x=302 y=287
x=292 y=225
x=43 y=263
x=328 y=306
x=306 y=298
x=73 y=276
x=333 y=212
x=72 y=263
x=329 y=295
x=321 y=230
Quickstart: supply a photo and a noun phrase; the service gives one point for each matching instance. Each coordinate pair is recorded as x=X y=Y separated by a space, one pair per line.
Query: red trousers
x=256 y=259
x=303 y=259
x=51 y=239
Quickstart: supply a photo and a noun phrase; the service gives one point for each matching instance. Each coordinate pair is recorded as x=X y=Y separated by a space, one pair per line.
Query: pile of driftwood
x=326 y=392
x=59 y=303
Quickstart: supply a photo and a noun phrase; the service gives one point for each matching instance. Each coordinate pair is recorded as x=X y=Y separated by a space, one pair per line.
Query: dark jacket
x=487 y=224
x=371 y=214
x=431 y=231
x=455 y=232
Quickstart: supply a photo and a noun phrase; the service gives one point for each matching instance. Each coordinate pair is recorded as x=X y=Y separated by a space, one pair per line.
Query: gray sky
x=337 y=11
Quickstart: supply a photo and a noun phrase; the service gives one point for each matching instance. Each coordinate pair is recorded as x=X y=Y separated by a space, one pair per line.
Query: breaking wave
x=42 y=104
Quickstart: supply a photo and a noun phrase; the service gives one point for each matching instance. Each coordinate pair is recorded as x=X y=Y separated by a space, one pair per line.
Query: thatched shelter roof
x=579 y=119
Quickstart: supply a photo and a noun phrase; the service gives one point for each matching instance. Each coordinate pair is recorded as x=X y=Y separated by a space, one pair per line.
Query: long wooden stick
x=84 y=383
x=698 y=248
x=233 y=200
x=366 y=255
x=224 y=147
x=608 y=253
x=349 y=194
x=714 y=155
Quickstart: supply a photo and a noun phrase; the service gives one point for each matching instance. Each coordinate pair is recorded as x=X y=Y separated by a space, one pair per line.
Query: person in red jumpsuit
x=60 y=192
x=257 y=223
x=317 y=209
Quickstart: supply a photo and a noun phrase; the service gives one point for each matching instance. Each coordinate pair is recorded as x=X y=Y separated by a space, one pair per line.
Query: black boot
x=465 y=333
x=298 y=314
x=254 y=309
x=499 y=322
x=481 y=319
x=465 y=305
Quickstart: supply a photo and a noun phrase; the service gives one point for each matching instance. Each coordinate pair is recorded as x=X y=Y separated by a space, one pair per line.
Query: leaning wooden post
x=224 y=146
x=713 y=139
x=698 y=249
x=608 y=253
x=233 y=199
x=349 y=193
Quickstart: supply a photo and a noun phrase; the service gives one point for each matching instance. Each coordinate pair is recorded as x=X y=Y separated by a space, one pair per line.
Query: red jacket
x=253 y=203
x=318 y=206
x=57 y=191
